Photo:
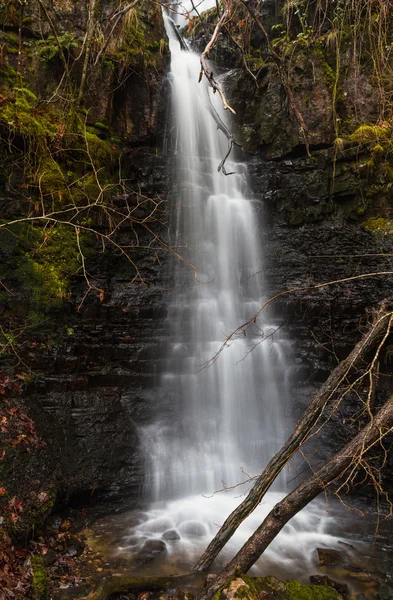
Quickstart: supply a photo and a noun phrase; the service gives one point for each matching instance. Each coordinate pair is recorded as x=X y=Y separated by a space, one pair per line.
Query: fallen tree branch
x=222 y=127
x=177 y=33
x=307 y=421
x=205 y=69
x=283 y=511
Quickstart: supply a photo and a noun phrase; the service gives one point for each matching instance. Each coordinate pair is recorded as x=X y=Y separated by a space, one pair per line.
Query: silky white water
x=217 y=425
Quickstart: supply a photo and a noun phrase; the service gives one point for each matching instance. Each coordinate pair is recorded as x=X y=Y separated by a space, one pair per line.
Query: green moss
x=101 y=150
x=47 y=268
x=50 y=176
x=11 y=37
x=101 y=126
x=40 y=262
x=48 y=48
x=140 y=44
x=300 y=591
x=40 y=579
x=379 y=226
x=372 y=133
x=19 y=113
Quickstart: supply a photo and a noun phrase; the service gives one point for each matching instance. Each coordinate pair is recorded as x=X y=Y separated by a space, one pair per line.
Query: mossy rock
x=257 y=588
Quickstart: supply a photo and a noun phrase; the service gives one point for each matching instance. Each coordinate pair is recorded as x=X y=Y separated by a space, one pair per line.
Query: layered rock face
x=89 y=372
x=323 y=218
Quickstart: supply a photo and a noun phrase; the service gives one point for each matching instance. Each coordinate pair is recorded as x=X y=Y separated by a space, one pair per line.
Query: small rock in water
x=328 y=556
x=385 y=592
x=170 y=535
x=342 y=588
x=154 y=546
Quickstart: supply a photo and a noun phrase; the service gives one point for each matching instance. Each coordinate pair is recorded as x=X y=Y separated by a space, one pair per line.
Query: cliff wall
x=84 y=326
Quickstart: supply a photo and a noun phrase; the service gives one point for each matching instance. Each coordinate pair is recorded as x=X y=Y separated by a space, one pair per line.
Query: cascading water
x=229 y=418
x=230 y=415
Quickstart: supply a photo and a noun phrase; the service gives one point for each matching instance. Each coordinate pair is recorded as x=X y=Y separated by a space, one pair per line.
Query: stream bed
x=135 y=544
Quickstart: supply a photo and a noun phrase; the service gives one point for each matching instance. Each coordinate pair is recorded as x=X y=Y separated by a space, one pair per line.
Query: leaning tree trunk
x=380 y=325
x=283 y=511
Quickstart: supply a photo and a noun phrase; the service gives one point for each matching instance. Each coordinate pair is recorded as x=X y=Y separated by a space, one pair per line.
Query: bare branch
x=205 y=67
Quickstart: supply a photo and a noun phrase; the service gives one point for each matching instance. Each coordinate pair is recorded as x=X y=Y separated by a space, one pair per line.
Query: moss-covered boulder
x=270 y=588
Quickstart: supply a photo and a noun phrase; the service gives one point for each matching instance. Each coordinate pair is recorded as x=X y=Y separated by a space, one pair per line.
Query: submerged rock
x=170 y=535
x=193 y=529
x=328 y=556
x=154 y=546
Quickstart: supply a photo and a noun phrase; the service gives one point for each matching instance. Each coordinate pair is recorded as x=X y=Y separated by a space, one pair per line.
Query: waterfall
x=216 y=425
x=229 y=416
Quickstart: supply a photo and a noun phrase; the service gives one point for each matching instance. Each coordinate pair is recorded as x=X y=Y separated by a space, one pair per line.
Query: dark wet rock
x=171 y=535
x=386 y=564
x=328 y=556
x=154 y=547
x=74 y=546
x=342 y=588
x=49 y=558
x=385 y=592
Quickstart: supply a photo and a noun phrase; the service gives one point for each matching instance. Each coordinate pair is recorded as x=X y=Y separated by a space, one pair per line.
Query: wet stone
x=49 y=558
x=75 y=547
x=342 y=588
x=170 y=535
x=154 y=547
x=328 y=556
x=385 y=592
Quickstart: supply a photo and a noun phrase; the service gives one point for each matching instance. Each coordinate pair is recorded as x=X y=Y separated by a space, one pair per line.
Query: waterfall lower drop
x=216 y=425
